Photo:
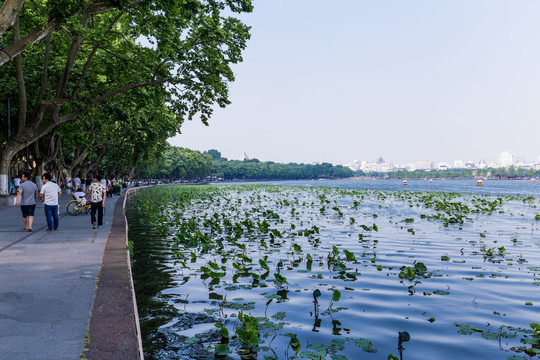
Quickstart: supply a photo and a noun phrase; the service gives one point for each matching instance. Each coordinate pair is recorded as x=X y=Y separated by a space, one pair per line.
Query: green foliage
x=247 y=332
x=366 y=345
x=61 y=9
x=137 y=70
x=410 y=273
x=349 y=255
x=177 y=163
x=280 y=279
x=295 y=345
x=233 y=169
x=336 y=295
x=216 y=155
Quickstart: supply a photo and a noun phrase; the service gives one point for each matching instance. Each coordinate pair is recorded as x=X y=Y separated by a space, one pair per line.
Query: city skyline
x=403 y=81
x=504 y=159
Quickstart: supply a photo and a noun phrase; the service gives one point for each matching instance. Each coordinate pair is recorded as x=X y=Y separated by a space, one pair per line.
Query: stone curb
x=114 y=330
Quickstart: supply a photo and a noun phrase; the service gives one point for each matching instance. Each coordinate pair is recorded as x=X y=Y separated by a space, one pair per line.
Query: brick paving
x=48 y=282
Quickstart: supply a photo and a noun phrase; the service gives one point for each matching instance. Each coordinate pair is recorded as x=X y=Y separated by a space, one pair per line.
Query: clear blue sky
x=405 y=80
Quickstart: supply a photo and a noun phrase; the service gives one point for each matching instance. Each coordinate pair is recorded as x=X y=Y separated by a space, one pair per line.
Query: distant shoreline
x=371 y=178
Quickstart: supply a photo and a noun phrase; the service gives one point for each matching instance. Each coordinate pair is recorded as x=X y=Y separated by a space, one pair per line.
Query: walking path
x=48 y=282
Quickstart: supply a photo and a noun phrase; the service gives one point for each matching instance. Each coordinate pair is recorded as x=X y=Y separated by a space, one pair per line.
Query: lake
x=491 y=187
x=338 y=269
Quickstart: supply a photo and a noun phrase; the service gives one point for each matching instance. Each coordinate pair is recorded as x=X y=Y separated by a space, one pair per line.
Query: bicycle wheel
x=71 y=208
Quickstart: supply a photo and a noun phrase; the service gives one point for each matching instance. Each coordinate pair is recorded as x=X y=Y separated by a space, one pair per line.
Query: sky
x=407 y=81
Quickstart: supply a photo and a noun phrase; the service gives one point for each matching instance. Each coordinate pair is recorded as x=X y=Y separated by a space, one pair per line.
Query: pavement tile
x=48 y=282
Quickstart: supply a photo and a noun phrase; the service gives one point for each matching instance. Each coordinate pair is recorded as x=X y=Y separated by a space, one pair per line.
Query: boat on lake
x=404 y=182
x=532 y=180
x=479 y=182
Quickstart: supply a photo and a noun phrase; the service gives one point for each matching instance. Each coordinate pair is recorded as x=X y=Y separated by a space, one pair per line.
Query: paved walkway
x=47 y=283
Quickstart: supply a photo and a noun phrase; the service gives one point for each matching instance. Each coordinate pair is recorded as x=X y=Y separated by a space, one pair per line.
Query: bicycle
x=75 y=207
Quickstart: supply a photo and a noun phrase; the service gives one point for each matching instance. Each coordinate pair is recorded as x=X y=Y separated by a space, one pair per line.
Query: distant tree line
x=256 y=170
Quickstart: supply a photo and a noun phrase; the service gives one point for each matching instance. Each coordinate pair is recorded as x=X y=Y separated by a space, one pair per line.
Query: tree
x=177 y=163
x=216 y=155
x=90 y=52
x=256 y=170
x=8 y=14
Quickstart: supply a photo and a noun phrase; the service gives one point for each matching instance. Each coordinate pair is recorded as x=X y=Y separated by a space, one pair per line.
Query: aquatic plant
x=273 y=246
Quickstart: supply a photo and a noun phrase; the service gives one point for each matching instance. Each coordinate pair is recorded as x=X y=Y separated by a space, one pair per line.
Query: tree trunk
x=7 y=154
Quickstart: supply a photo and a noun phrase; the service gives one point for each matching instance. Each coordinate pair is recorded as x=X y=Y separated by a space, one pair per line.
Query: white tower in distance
x=506 y=159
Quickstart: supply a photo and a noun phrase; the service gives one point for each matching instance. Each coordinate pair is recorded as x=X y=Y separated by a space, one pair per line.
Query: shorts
x=28 y=210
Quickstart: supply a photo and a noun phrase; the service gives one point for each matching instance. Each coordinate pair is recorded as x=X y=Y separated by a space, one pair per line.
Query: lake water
x=203 y=254
x=490 y=187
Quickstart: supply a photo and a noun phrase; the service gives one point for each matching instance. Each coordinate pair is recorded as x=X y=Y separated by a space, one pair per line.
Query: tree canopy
x=110 y=62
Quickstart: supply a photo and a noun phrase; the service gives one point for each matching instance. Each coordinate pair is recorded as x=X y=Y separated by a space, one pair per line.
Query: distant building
x=422 y=165
x=506 y=159
x=355 y=165
x=367 y=166
x=482 y=164
x=443 y=166
x=243 y=157
x=458 y=164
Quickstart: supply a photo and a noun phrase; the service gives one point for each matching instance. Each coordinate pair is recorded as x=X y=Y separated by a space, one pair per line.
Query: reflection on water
x=481 y=272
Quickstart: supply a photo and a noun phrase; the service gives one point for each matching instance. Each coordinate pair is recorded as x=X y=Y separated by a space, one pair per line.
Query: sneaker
x=99 y=226
x=94 y=225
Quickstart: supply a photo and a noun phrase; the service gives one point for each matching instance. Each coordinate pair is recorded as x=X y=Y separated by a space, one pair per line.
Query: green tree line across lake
x=177 y=163
x=181 y=163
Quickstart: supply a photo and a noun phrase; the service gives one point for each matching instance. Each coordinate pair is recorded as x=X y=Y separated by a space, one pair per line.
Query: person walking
x=17 y=183
x=26 y=198
x=49 y=194
x=96 y=194
x=77 y=182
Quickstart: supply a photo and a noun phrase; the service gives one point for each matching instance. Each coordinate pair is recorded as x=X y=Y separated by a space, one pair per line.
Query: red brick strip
x=114 y=331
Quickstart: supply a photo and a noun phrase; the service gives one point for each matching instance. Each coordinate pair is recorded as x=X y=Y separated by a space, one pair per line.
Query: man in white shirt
x=49 y=197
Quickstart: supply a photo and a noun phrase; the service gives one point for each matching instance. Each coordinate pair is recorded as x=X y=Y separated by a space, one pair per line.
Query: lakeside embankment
x=48 y=282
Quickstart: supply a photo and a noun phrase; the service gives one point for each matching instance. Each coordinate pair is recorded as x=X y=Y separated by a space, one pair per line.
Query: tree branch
x=34 y=36
x=126 y=88
x=43 y=30
x=90 y=57
x=39 y=107
x=73 y=51
x=9 y=14
x=20 y=81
